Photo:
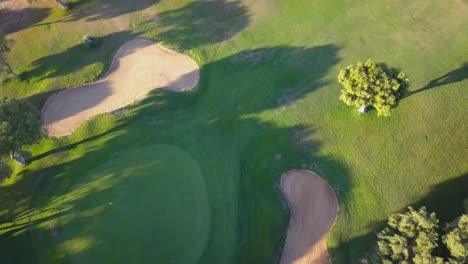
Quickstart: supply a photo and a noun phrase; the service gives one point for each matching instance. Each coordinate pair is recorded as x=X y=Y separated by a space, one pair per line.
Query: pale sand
x=314 y=206
x=139 y=67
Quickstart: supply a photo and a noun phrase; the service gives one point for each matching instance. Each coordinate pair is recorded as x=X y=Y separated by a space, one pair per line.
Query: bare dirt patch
x=314 y=206
x=139 y=67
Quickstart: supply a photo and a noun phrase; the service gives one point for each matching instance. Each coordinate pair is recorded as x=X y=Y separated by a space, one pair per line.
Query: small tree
x=19 y=125
x=412 y=237
x=5 y=69
x=371 y=84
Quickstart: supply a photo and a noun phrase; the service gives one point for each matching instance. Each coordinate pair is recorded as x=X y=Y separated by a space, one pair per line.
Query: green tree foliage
x=19 y=125
x=413 y=236
x=5 y=69
x=408 y=235
x=371 y=84
x=457 y=240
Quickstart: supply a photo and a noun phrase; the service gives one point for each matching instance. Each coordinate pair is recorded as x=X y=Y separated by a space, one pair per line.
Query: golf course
x=211 y=131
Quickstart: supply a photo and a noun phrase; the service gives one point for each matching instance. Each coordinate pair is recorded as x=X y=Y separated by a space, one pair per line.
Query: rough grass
x=267 y=88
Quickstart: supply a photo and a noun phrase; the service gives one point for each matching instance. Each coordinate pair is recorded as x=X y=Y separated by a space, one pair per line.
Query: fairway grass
x=267 y=102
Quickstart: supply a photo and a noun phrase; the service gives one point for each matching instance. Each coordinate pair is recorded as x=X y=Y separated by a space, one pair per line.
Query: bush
x=90 y=42
x=371 y=84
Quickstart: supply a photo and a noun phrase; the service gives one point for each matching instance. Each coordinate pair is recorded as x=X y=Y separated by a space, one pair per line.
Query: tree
x=5 y=68
x=371 y=84
x=457 y=240
x=413 y=236
x=408 y=235
x=19 y=125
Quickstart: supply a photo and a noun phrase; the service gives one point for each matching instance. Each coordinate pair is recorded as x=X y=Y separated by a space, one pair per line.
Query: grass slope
x=152 y=196
x=266 y=103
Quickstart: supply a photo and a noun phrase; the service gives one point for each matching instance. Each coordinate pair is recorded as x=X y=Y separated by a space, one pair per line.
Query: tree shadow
x=38 y=99
x=222 y=115
x=92 y=10
x=77 y=57
x=198 y=23
x=446 y=198
x=14 y=20
x=74 y=145
x=360 y=249
x=457 y=75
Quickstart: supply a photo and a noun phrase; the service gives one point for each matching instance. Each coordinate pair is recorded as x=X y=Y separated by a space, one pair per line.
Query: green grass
x=268 y=86
x=152 y=195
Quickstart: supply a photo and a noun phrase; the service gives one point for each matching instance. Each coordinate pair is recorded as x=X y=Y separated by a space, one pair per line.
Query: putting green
x=144 y=206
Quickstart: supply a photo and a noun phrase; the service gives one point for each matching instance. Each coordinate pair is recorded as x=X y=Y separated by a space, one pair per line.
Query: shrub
x=90 y=42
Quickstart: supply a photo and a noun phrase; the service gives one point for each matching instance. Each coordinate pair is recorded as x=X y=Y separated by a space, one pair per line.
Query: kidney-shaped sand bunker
x=313 y=207
x=138 y=67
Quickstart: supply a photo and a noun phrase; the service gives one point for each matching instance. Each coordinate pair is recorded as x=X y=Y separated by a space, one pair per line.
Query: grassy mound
x=143 y=206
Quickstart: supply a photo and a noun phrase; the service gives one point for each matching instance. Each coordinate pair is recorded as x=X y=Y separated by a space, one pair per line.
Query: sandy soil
x=13 y=4
x=138 y=67
x=314 y=206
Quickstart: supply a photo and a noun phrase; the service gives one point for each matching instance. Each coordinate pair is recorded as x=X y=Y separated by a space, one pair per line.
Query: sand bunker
x=313 y=207
x=13 y=4
x=138 y=67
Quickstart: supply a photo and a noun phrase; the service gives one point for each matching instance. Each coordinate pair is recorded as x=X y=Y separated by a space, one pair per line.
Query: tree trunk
x=12 y=72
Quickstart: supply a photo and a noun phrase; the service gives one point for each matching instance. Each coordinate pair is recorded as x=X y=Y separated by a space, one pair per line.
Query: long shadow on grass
x=233 y=113
x=457 y=75
x=72 y=146
x=77 y=57
x=98 y=10
x=445 y=199
x=12 y=21
x=198 y=23
x=92 y=10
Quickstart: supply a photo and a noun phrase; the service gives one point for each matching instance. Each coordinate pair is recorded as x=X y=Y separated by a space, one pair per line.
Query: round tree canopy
x=372 y=84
